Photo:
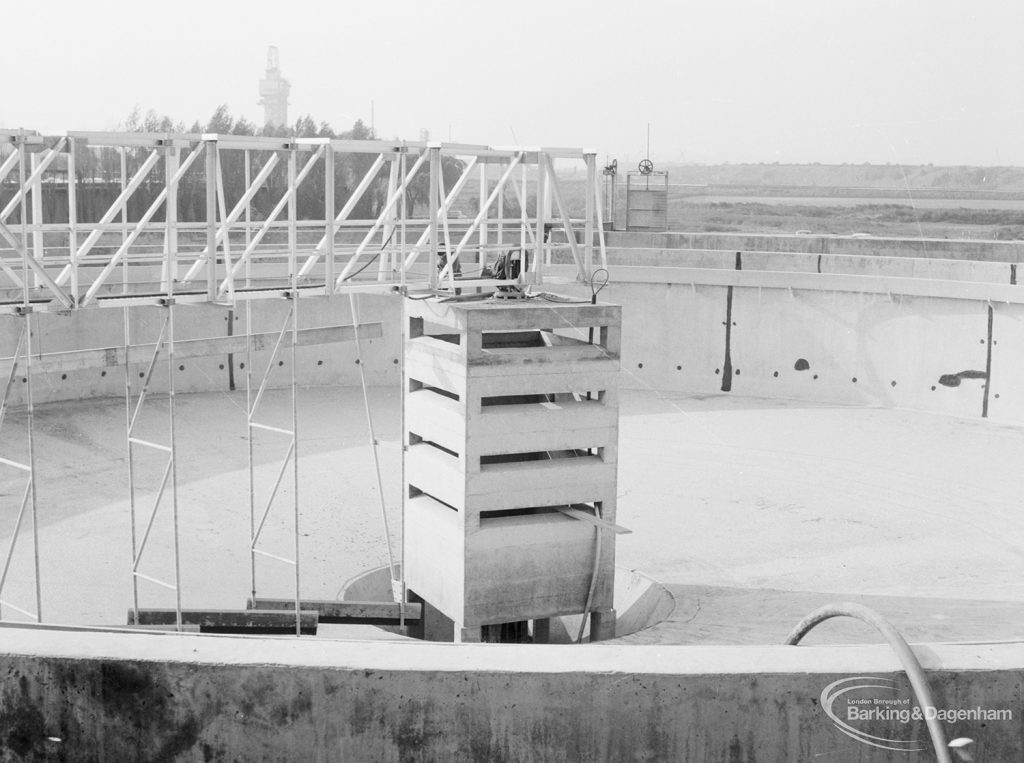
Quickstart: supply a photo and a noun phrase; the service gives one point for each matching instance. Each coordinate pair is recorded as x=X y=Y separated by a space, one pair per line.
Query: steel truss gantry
x=86 y=254
x=93 y=220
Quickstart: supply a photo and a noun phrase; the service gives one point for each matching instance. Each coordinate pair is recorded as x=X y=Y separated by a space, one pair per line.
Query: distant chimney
x=274 y=91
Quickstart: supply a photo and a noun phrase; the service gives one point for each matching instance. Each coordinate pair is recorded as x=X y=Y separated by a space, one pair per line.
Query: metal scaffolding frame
x=165 y=344
x=139 y=250
x=291 y=457
x=23 y=355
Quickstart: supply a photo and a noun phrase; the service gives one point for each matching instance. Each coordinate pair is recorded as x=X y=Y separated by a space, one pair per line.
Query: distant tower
x=274 y=91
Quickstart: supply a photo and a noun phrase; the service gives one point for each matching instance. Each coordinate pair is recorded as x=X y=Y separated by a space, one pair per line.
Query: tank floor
x=751 y=512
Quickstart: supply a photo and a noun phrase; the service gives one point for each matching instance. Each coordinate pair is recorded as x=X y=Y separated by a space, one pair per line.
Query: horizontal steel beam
x=230 y=621
x=112 y=357
x=772 y=279
x=351 y=612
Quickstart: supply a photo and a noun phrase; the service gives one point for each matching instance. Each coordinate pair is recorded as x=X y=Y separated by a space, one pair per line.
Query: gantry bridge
x=442 y=214
x=75 y=262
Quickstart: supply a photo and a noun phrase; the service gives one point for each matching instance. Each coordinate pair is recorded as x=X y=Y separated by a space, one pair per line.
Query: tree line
x=98 y=172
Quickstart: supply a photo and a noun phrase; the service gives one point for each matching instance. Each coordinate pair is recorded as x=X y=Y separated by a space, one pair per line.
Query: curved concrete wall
x=925 y=333
x=104 y=328
x=114 y=696
x=836 y=342
x=872 y=246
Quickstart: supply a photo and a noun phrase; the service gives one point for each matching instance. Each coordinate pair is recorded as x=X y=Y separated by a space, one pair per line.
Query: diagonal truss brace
x=288 y=196
x=140 y=227
x=23 y=353
x=109 y=215
x=399 y=193
x=355 y=198
x=236 y=212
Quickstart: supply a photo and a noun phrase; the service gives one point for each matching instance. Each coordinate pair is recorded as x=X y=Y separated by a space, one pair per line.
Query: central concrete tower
x=511 y=426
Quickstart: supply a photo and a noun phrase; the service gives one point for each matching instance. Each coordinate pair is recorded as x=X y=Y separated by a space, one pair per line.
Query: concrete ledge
x=108 y=696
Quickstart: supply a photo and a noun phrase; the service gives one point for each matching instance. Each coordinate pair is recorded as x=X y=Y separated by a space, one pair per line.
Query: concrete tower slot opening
x=256 y=395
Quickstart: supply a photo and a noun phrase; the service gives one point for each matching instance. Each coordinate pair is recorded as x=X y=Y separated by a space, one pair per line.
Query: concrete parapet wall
x=803 y=262
x=937 y=335
x=992 y=251
x=141 y=696
x=104 y=328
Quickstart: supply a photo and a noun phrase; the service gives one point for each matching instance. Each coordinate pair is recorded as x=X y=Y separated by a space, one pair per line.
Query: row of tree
x=99 y=171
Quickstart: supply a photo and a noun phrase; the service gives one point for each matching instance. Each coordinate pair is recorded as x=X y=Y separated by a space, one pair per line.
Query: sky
x=831 y=81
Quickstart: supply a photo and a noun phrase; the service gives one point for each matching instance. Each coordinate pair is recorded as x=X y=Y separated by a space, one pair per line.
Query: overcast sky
x=901 y=81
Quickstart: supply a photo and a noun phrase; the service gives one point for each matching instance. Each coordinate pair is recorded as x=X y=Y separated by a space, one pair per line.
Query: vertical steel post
x=524 y=198
x=23 y=220
x=293 y=274
x=248 y=212
x=435 y=170
x=501 y=216
x=385 y=260
x=37 y=213
x=26 y=313
x=404 y=213
x=124 y=215
x=211 y=220
x=131 y=458
x=404 y=389
x=588 y=230
x=229 y=271
x=295 y=456
x=542 y=201
x=249 y=442
x=72 y=217
x=174 y=456
x=329 y=218
x=482 y=257
x=171 y=163
x=30 y=425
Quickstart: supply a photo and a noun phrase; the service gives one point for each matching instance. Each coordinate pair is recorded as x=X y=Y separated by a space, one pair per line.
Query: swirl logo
x=872 y=708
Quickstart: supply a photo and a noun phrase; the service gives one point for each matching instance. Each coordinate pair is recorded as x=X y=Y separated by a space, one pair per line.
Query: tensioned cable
x=373 y=437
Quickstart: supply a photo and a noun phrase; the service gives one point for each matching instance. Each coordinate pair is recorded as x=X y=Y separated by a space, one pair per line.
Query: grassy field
x=881 y=200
